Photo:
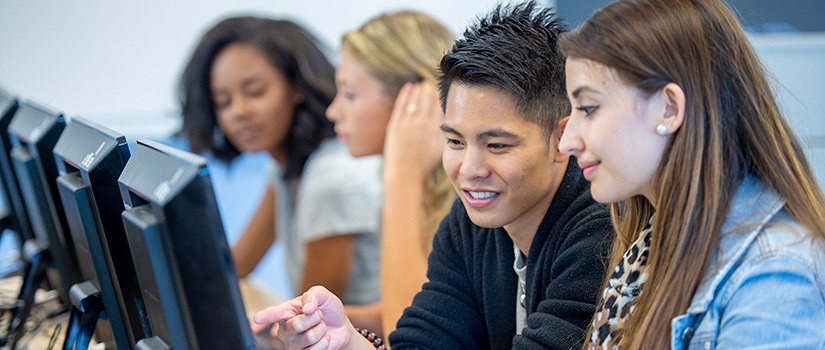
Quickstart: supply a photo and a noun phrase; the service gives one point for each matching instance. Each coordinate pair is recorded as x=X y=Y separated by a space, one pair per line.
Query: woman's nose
x=571 y=142
x=333 y=110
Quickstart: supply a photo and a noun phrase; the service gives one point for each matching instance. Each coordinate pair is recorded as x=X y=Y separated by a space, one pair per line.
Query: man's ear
x=560 y=157
x=674 y=99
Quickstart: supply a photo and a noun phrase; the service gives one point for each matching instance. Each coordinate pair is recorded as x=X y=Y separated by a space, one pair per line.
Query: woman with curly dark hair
x=263 y=85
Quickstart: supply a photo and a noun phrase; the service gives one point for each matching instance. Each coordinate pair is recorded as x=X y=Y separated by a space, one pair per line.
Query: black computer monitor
x=89 y=159
x=34 y=131
x=13 y=213
x=180 y=250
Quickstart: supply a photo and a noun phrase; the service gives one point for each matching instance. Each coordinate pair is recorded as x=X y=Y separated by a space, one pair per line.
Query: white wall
x=119 y=62
x=798 y=64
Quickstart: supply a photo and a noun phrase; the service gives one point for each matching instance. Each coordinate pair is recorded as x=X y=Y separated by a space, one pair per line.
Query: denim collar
x=753 y=205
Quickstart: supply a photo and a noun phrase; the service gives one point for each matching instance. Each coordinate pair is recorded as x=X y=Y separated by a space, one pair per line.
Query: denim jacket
x=764 y=289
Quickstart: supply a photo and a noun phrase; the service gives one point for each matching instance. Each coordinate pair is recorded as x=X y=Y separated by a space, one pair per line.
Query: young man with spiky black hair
x=518 y=262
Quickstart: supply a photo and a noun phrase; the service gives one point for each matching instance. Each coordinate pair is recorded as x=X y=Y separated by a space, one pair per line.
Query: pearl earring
x=661 y=129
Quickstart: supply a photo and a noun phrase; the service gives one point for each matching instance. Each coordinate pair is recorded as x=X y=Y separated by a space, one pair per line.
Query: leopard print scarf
x=619 y=297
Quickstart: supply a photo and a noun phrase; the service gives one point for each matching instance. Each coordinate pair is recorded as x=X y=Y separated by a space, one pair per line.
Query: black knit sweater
x=469 y=301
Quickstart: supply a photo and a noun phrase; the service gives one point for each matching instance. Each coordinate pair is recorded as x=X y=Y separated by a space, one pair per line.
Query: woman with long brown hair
x=720 y=222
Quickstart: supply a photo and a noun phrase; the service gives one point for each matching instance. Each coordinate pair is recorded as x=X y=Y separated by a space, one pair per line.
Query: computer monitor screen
x=89 y=159
x=34 y=130
x=174 y=229
x=16 y=218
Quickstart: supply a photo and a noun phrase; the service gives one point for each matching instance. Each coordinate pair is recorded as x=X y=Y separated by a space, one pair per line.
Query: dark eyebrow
x=250 y=80
x=448 y=129
x=496 y=133
x=581 y=89
x=245 y=82
x=486 y=134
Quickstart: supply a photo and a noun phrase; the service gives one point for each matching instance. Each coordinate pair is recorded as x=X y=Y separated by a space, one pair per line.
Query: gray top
x=340 y=195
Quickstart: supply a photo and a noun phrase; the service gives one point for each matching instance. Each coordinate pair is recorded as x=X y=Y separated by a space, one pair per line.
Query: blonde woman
x=720 y=222
x=387 y=104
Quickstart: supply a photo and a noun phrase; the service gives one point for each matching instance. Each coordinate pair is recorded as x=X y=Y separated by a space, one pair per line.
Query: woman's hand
x=412 y=148
x=313 y=320
x=414 y=140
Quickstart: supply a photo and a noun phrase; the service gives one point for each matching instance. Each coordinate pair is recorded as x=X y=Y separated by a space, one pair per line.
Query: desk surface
x=255 y=296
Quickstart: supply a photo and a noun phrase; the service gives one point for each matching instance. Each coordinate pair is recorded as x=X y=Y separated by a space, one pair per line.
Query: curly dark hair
x=290 y=49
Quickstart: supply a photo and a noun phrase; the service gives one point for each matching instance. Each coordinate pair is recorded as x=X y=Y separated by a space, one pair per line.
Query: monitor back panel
x=34 y=131
x=89 y=158
x=202 y=279
x=18 y=220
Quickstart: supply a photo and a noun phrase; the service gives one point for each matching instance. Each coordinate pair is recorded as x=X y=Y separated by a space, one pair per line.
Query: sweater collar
x=571 y=188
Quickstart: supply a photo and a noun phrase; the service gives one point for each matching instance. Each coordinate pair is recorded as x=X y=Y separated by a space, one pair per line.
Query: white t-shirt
x=339 y=194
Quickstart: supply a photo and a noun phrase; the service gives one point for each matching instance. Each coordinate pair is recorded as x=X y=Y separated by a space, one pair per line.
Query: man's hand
x=314 y=320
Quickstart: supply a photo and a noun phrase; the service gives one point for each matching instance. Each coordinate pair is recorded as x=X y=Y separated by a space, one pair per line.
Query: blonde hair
x=403 y=47
x=732 y=127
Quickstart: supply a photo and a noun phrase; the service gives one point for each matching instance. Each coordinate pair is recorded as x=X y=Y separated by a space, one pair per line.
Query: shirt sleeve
x=445 y=312
x=338 y=195
x=777 y=305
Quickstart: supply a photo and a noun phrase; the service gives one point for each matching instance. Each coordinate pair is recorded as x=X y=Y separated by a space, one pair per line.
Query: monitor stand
x=87 y=307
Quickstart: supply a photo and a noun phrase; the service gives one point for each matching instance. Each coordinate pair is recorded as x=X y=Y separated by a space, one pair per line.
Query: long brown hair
x=398 y=48
x=732 y=127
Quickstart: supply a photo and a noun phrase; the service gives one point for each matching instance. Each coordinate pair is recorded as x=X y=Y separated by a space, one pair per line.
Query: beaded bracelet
x=379 y=344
